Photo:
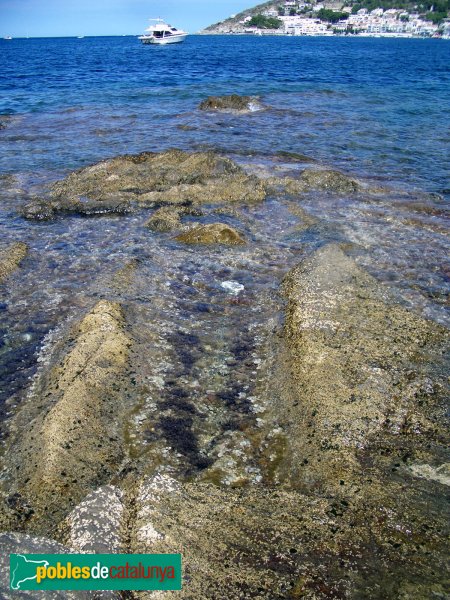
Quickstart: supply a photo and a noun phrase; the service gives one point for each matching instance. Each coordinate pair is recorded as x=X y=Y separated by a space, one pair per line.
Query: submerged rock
x=333 y=181
x=168 y=218
x=124 y=277
x=164 y=219
x=307 y=221
x=212 y=233
x=295 y=156
x=150 y=180
x=232 y=103
x=38 y=210
x=9 y=182
x=6 y=120
x=11 y=257
x=186 y=127
x=322 y=180
x=68 y=435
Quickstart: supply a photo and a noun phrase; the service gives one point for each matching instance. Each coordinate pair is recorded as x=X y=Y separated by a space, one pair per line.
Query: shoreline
x=327 y=35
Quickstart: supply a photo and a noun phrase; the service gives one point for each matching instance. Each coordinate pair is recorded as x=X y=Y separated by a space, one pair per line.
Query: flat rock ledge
x=10 y=259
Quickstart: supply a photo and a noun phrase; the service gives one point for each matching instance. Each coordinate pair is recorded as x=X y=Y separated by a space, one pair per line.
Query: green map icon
x=23 y=569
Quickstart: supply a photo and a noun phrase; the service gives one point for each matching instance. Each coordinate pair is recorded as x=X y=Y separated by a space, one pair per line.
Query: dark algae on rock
x=238 y=389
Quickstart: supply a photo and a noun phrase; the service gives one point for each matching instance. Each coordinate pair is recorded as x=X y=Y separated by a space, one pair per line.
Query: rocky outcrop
x=329 y=180
x=236 y=543
x=271 y=542
x=238 y=188
x=174 y=178
x=236 y=23
x=126 y=183
x=212 y=233
x=68 y=437
x=232 y=103
x=361 y=380
x=43 y=210
x=10 y=259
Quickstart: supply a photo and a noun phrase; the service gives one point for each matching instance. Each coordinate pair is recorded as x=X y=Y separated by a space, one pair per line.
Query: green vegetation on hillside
x=325 y=14
x=436 y=17
x=263 y=22
x=433 y=10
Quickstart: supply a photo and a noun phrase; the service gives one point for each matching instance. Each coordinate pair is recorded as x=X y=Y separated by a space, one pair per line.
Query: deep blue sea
x=376 y=108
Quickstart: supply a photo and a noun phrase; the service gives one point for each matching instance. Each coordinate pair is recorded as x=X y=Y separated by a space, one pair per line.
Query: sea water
x=374 y=108
x=377 y=106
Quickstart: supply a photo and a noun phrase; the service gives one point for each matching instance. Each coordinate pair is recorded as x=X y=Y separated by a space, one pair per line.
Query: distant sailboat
x=7 y=37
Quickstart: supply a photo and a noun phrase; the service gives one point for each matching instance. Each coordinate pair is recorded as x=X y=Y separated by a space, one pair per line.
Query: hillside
x=434 y=11
x=233 y=23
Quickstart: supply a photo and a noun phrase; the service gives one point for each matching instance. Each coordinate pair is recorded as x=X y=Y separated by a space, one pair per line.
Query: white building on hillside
x=270 y=13
x=298 y=25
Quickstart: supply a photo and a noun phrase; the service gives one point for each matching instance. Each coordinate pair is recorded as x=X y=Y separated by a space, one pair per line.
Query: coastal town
x=315 y=18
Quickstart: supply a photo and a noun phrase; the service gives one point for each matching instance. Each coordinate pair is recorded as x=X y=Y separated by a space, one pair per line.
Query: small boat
x=162 y=34
x=7 y=37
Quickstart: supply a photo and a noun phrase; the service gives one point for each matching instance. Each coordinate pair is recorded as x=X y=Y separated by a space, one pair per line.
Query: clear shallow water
x=375 y=108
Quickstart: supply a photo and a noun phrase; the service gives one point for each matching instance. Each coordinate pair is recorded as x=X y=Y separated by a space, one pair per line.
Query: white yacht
x=162 y=33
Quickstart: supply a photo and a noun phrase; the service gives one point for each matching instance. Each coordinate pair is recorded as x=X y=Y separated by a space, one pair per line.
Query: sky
x=42 y=18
